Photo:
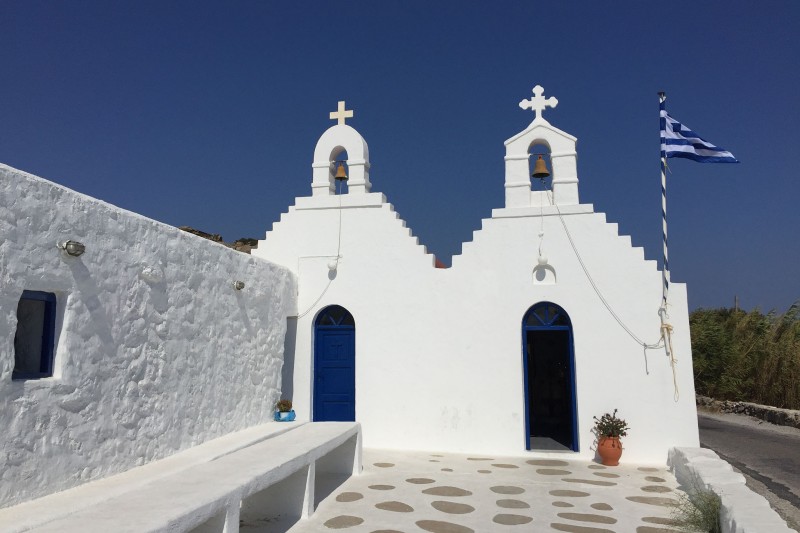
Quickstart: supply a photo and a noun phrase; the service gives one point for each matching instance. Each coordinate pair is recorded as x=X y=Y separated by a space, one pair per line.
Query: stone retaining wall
x=775 y=415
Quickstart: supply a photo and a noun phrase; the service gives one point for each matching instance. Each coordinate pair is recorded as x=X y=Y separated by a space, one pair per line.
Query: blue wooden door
x=334 y=366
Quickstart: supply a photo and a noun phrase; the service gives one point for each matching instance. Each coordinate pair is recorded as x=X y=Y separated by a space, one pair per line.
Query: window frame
x=47 y=355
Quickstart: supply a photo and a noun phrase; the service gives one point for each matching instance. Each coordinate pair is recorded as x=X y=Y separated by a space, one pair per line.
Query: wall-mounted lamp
x=333 y=264
x=72 y=248
x=238 y=285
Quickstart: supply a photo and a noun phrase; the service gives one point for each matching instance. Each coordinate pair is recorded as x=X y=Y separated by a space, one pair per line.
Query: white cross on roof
x=340 y=114
x=538 y=102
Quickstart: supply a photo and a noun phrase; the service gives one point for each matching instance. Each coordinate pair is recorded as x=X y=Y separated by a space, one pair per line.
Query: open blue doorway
x=549 y=376
x=334 y=365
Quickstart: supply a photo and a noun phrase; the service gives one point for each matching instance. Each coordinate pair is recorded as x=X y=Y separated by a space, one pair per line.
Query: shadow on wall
x=287 y=372
x=87 y=287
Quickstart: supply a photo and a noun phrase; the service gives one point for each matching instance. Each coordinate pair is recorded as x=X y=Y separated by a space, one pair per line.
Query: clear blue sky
x=206 y=114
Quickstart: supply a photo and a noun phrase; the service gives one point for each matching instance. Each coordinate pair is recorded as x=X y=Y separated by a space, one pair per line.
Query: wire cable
x=338 y=254
x=666 y=328
x=597 y=291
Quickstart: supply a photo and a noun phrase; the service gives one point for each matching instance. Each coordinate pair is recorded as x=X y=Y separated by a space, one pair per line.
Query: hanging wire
x=666 y=328
x=338 y=254
x=541 y=219
x=639 y=341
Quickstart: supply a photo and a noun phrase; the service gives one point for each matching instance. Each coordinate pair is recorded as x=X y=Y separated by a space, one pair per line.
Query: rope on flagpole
x=663 y=312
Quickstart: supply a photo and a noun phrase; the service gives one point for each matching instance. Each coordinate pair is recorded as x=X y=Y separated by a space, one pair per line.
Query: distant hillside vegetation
x=750 y=357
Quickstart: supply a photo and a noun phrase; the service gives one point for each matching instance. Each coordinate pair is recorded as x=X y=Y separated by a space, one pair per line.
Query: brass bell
x=341 y=175
x=540 y=169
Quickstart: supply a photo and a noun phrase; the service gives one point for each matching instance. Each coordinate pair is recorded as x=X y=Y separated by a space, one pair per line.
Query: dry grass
x=698 y=511
x=748 y=356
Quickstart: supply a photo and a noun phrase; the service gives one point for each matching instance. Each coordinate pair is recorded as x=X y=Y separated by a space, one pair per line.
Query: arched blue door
x=334 y=365
x=549 y=373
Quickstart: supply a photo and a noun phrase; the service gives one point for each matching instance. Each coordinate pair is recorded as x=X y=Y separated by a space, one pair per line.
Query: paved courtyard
x=401 y=492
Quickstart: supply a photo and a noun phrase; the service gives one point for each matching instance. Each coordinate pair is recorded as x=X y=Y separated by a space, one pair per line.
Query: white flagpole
x=666 y=327
x=662 y=97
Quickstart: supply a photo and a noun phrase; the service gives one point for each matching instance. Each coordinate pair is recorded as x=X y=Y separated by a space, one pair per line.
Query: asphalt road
x=768 y=456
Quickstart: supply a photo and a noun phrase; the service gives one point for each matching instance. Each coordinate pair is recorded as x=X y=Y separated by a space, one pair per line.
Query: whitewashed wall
x=439 y=352
x=156 y=353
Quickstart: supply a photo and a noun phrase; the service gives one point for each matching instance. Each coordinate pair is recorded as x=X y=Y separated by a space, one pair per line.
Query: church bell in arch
x=341 y=175
x=540 y=169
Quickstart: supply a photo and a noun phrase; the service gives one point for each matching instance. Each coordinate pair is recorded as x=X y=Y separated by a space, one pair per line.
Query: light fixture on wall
x=72 y=248
x=542 y=259
x=238 y=285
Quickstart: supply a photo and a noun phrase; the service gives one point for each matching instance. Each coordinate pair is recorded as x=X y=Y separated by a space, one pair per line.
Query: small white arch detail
x=544 y=275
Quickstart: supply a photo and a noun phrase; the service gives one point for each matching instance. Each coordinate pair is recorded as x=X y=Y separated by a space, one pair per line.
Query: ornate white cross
x=538 y=103
x=340 y=114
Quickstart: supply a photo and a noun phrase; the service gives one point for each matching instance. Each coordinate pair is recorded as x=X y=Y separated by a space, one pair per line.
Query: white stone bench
x=741 y=509
x=269 y=485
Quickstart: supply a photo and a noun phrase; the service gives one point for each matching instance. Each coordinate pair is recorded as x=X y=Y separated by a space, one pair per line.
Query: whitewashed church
x=124 y=341
x=509 y=350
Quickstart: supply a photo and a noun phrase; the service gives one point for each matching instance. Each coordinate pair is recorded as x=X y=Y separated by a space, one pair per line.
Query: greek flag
x=679 y=141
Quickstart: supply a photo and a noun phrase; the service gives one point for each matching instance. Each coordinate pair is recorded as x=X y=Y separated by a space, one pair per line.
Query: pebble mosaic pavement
x=401 y=492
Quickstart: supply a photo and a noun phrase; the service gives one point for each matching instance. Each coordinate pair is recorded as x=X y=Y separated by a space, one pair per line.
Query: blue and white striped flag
x=679 y=141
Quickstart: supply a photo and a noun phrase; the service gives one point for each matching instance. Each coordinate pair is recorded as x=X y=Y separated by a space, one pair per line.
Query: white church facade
x=511 y=350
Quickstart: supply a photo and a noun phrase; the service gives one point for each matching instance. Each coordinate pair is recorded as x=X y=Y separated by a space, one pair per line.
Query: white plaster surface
x=743 y=511
x=155 y=351
x=439 y=362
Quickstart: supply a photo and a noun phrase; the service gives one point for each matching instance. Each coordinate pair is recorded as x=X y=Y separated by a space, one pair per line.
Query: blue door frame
x=334 y=366
x=547 y=316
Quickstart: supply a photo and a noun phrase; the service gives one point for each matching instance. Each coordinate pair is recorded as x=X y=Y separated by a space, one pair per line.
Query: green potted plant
x=284 y=411
x=609 y=429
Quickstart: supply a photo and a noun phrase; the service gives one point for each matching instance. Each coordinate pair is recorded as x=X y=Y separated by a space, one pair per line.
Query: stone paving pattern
x=402 y=492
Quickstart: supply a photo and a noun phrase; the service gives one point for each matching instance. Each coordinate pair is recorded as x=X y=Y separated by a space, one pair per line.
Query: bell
x=540 y=169
x=341 y=175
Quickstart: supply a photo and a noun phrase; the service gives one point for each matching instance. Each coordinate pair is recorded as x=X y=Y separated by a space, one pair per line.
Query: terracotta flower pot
x=610 y=450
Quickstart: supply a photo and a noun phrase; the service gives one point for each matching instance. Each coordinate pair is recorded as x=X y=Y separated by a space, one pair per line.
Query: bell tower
x=337 y=139
x=562 y=155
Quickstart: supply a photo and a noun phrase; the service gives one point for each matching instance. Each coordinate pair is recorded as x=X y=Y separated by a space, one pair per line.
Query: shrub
x=698 y=510
x=747 y=356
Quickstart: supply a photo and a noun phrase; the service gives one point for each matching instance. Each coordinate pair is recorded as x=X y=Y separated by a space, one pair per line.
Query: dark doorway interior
x=550 y=408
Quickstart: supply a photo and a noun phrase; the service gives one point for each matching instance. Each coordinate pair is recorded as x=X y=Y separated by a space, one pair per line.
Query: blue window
x=35 y=335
